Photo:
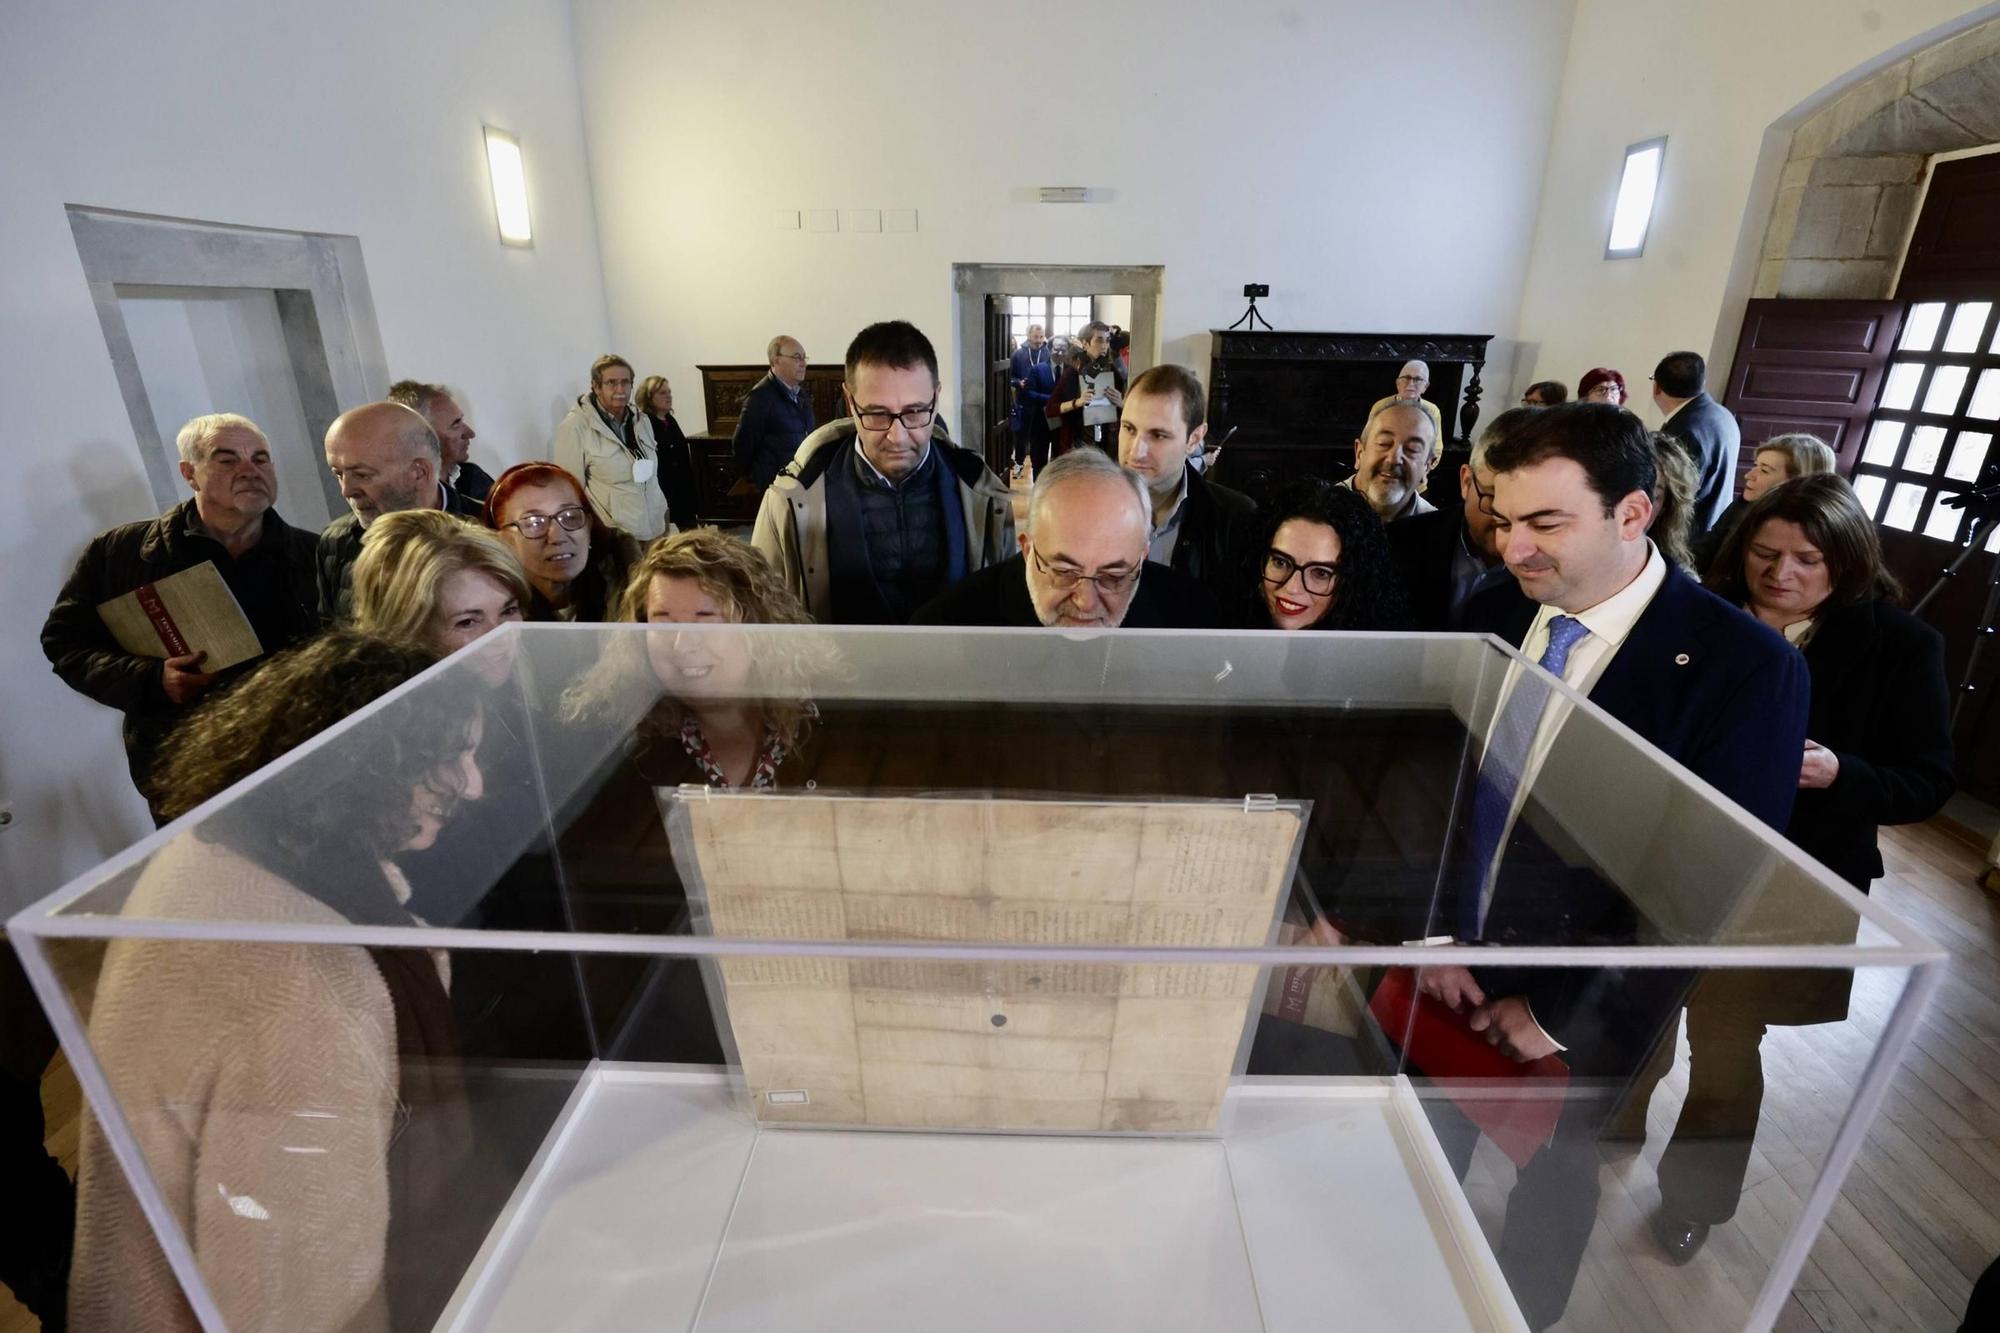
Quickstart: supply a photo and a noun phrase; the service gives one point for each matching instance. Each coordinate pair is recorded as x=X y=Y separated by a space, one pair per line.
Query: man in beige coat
x=608 y=445
x=878 y=512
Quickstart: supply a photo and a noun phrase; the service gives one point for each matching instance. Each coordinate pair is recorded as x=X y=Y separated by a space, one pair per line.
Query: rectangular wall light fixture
x=510 y=187
x=1637 y=188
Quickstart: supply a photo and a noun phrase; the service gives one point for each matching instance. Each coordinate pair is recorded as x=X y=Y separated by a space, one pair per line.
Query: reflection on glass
x=1900 y=391
x=1920 y=329
x=1926 y=444
x=1907 y=499
x=1968 y=452
x=1943 y=523
x=1967 y=323
x=1986 y=397
x=1868 y=489
x=1947 y=382
x=1883 y=437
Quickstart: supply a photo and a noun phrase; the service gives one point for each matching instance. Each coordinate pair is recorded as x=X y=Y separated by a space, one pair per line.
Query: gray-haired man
x=1082 y=563
x=228 y=521
x=777 y=414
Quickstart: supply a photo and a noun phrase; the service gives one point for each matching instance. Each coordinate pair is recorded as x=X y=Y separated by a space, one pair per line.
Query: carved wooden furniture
x=1296 y=401
x=723 y=389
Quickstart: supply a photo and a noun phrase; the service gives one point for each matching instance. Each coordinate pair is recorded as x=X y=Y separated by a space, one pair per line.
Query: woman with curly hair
x=295 y=1103
x=1323 y=562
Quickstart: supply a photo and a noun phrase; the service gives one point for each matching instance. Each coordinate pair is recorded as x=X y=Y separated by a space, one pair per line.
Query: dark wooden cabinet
x=723 y=389
x=1296 y=401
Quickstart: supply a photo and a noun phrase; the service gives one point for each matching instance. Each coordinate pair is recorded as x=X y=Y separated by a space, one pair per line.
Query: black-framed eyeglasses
x=1108 y=585
x=572 y=518
x=913 y=418
x=1279 y=568
x=799 y=357
x=1483 y=500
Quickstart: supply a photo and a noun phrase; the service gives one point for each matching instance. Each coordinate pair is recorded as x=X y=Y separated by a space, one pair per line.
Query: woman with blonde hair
x=656 y=399
x=435 y=581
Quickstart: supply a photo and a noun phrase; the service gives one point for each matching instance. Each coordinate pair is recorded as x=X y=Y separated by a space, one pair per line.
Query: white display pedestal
x=656 y=1203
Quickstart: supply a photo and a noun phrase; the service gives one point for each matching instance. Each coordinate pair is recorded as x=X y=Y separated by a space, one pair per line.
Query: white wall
x=1378 y=165
x=364 y=120
x=1712 y=75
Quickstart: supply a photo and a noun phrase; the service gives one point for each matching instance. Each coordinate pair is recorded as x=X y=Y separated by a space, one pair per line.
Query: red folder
x=1515 y=1104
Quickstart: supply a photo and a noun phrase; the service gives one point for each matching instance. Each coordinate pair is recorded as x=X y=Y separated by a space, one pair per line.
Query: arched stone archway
x=1853 y=177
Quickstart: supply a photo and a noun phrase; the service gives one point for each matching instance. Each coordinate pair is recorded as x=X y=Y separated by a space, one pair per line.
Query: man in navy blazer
x=1706 y=427
x=1597 y=604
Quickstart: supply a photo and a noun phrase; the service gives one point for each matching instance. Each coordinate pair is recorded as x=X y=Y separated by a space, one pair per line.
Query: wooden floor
x=1917 y=1221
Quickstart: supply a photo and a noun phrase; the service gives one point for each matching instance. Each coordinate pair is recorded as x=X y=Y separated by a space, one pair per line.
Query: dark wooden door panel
x=1811 y=366
x=1955 y=250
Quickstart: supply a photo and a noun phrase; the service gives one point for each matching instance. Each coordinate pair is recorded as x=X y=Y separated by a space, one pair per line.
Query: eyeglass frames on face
x=1484 y=497
x=913 y=418
x=1279 y=568
x=535 y=526
x=1108 y=585
x=799 y=357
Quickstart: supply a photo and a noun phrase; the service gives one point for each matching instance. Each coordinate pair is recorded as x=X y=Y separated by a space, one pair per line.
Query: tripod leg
x=1979 y=535
x=1980 y=638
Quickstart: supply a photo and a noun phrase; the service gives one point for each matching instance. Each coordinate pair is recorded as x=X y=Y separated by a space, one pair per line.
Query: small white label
x=788 y=1097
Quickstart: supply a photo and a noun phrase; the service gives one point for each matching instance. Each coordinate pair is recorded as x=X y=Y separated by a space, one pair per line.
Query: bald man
x=777 y=414
x=1082 y=563
x=386 y=459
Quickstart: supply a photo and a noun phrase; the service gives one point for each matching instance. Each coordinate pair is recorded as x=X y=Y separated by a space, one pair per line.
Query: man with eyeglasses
x=777 y=414
x=1411 y=381
x=879 y=512
x=1449 y=558
x=1082 y=563
x=386 y=458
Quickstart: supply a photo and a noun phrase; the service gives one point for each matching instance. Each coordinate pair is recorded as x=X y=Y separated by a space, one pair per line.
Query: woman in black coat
x=1806 y=561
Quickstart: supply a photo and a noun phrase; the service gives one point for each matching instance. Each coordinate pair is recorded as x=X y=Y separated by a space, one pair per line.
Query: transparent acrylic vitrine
x=1091 y=981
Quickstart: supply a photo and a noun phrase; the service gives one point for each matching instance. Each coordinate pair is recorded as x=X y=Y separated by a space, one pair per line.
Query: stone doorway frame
x=1841 y=177
x=332 y=338
x=972 y=283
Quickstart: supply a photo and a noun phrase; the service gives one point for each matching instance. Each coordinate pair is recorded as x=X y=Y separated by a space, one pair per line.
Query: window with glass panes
x=1932 y=430
x=1059 y=316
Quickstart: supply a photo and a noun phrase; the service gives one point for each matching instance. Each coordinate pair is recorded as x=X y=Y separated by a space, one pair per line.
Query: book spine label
x=163 y=621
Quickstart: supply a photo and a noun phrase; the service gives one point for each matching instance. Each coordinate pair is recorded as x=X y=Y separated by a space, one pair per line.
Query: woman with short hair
x=576 y=563
x=1602 y=385
x=1806 y=561
x=1779 y=459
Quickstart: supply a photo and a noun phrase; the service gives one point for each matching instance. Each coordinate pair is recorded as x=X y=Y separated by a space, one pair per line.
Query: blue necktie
x=1508 y=746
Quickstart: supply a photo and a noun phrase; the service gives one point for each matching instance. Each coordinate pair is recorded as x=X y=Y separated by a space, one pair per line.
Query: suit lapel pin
x=1680 y=659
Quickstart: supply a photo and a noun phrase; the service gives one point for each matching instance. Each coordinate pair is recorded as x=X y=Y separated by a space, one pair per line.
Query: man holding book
x=116 y=636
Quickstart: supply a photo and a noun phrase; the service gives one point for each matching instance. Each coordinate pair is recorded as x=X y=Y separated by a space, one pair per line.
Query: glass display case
x=728 y=977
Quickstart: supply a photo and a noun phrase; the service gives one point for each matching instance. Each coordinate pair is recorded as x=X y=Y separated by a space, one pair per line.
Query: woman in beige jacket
x=277 y=1092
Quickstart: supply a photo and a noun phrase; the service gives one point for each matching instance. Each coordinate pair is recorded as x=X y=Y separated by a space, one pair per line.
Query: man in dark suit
x=1449 y=556
x=1082 y=563
x=777 y=415
x=1598 y=606
x=1198 y=525
x=1704 y=425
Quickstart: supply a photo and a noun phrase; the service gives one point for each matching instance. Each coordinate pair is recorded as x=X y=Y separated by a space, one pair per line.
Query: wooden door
x=1813 y=366
x=999 y=442
x=1954 y=252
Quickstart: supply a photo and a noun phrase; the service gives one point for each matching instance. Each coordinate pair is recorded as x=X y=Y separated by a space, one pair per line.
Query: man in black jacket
x=777 y=415
x=1082 y=563
x=386 y=458
x=465 y=482
x=229 y=522
x=1450 y=556
x=1198 y=525
x=1704 y=425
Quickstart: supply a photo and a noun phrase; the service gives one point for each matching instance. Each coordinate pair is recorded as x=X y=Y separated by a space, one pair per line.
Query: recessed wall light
x=1638 y=187
x=510 y=187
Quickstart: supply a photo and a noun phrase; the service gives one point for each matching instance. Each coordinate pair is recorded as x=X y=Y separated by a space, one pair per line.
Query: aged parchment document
x=1040 y=1046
